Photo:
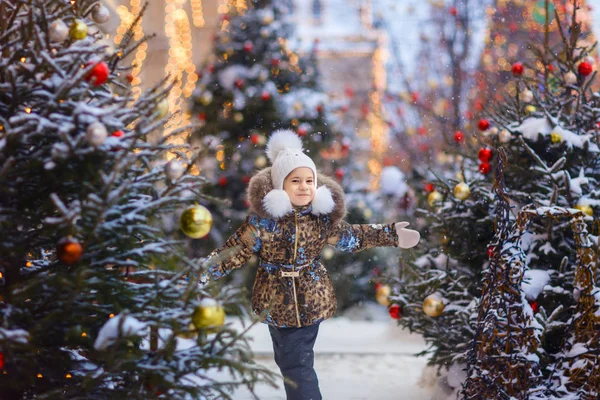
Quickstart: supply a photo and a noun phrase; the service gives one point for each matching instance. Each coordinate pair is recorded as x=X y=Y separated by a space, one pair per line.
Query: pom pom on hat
x=282 y=139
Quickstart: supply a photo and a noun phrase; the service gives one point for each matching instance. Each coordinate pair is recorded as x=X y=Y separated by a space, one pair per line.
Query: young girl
x=294 y=213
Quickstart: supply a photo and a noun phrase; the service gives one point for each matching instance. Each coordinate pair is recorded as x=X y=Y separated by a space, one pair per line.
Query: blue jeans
x=295 y=357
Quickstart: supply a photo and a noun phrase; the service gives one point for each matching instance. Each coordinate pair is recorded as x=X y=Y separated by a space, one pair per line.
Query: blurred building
x=350 y=55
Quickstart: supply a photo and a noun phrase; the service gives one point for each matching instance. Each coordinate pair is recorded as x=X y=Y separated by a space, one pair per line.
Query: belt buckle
x=290 y=274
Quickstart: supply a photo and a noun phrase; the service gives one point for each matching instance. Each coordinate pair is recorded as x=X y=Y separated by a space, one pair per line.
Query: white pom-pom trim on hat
x=282 y=139
x=277 y=203
x=323 y=202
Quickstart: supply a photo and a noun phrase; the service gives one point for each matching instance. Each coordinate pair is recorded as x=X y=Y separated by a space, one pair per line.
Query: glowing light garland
x=127 y=17
x=197 y=13
x=180 y=64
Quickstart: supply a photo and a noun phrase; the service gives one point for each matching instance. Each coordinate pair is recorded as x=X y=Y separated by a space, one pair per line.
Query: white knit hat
x=284 y=150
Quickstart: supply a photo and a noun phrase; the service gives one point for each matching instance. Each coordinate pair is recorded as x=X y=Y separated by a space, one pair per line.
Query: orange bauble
x=69 y=250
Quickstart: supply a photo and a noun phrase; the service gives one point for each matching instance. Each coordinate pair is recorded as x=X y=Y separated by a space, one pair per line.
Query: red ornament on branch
x=453 y=11
x=99 y=73
x=265 y=96
x=585 y=68
x=202 y=116
x=69 y=251
x=535 y=306
x=117 y=133
x=484 y=168
x=459 y=137
x=223 y=181
x=395 y=311
x=302 y=132
x=320 y=108
x=483 y=124
x=429 y=188
x=339 y=173
x=275 y=61
x=248 y=46
x=485 y=155
x=1 y=361
x=239 y=83
x=246 y=179
x=517 y=69
x=490 y=252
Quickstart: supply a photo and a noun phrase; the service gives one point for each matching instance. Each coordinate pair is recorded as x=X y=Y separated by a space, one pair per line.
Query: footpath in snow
x=355 y=360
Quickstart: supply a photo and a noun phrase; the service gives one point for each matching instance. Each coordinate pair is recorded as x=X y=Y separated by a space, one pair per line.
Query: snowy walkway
x=355 y=360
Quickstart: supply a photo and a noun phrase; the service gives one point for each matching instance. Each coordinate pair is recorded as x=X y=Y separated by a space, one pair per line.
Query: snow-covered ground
x=355 y=359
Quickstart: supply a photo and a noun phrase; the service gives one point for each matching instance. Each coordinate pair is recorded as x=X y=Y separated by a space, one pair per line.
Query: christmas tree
x=95 y=287
x=548 y=126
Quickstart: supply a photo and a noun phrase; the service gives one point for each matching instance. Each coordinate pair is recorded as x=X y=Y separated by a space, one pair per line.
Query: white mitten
x=407 y=238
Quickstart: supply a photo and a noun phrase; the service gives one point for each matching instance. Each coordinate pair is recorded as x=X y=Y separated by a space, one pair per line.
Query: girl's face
x=300 y=186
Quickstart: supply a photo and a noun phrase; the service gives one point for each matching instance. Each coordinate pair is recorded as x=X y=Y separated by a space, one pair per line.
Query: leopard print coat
x=292 y=288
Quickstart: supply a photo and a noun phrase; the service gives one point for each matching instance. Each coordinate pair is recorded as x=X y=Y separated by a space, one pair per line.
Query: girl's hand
x=407 y=238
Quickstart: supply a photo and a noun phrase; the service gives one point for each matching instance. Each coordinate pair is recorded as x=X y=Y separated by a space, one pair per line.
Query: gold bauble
x=444 y=239
x=162 y=108
x=586 y=209
x=206 y=98
x=382 y=295
x=238 y=117
x=196 y=221
x=434 y=197
x=78 y=30
x=433 y=305
x=555 y=137
x=462 y=191
x=530 y=109
x=208 y=315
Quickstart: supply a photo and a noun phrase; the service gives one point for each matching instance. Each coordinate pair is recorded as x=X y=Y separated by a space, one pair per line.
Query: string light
x=68 y=376
x=178 y=31
x=127 y=17
x=197 y=13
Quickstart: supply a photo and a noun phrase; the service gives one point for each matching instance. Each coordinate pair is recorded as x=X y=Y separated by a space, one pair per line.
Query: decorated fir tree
x=94 y=293
x=548 y=126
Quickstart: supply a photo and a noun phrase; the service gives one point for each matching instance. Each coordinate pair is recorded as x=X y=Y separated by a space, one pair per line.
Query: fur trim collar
x=267 y=202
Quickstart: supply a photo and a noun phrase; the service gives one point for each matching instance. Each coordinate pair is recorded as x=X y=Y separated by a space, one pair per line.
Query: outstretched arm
x=357 y=237
x=245 y=242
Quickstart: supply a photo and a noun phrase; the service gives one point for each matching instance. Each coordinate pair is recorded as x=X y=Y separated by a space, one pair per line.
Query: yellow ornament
x=209 y=315
x=78 y=30
x=462 y=191
x=434 y=197
x=555 y=137
x=530 y=109
x=196 y=221
x=444 y=239
x=382 y=295
x=162 y=108
x=433 y=305
x=238 y=117
x=586 y=209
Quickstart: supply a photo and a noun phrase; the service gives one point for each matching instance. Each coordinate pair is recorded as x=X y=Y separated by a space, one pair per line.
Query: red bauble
x=585 y=68
x=118 y=133
x=422 y=131
x=429 y=188
x=129 y=78
x=339 y=173
x=453 y=11
x=1 y=361
x=248 y=46
x=302 y=132
x=550 y=68
x=414 y=96
x=395 y=311
x=345 y=146
x=378 y=285
x=469 y=114
x=485 y=155
x=483 y=124
x=598 y=125
x=99 y=74
x=535 y=306
x=265 y=96
x=275 y=62
x=517 y=69
x=490 y=252
x=484 y=168
x=320 y=108
x=239 y=83
x=202 y=116
x=246 y=179
x=69 y=251
x=246 y=203
x=223 y=181
x=255 y=138
x=459 y=137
